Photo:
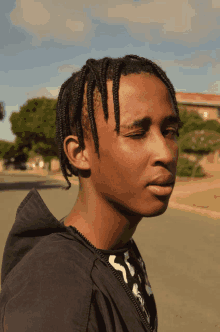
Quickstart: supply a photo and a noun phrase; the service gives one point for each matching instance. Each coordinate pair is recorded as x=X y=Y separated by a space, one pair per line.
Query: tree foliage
x=35 y=126
x=200 y=143
x=198 y=137
x=9 y=150
x=2 y=110
x=5 y=148
x=192 y=121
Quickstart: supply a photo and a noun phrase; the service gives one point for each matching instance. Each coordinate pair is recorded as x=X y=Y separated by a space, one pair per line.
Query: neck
x=102 y=222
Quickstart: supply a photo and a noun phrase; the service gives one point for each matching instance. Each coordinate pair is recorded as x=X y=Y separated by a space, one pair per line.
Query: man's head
x=83 y=100
x=115 y=160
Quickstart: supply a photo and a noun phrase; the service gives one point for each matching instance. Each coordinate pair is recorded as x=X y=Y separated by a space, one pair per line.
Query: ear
x=77 y=157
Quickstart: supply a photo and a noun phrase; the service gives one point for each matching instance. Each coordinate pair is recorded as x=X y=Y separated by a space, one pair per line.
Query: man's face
x=128 y=163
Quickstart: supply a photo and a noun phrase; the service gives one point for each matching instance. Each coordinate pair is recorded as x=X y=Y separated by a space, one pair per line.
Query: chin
x=156 y=213
x=151 y=208
x=156 y=209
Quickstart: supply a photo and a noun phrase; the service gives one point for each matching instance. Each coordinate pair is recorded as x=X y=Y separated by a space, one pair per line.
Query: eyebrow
x=146 y=121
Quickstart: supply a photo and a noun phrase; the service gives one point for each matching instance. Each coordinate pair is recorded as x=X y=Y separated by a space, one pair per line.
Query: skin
x=114 y=199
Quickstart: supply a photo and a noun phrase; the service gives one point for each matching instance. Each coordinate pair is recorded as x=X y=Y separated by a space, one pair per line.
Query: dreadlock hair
x=75 y=109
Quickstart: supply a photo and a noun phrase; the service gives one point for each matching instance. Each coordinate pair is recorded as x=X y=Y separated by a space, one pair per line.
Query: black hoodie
x=53 y=279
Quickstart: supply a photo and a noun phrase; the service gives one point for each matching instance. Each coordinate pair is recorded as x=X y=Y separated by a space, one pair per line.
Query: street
x=181 y=251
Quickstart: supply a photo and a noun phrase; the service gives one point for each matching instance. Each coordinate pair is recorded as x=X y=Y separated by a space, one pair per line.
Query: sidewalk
x=42 y=172
x=200 y=196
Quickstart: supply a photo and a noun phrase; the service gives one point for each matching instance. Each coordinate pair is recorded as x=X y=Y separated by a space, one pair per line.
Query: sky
x=42 y=42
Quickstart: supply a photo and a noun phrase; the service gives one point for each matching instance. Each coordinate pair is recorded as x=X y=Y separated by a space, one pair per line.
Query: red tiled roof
x=198 y=98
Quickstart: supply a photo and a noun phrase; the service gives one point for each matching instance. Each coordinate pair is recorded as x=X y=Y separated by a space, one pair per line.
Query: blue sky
x=42 y=42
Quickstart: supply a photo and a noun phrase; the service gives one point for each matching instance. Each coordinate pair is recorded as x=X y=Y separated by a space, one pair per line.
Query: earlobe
x=77 y=157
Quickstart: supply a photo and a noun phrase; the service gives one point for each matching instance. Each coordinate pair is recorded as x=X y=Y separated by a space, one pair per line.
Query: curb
x=208 y=213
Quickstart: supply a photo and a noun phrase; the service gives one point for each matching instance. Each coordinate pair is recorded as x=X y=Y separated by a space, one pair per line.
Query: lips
x=163 y=181
x=162 y=185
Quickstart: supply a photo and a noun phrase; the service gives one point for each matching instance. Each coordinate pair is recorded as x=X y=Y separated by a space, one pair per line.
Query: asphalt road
x=181 y=251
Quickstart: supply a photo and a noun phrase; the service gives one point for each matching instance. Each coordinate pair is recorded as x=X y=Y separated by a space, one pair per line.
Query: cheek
x=120 y=168
x=175 y=150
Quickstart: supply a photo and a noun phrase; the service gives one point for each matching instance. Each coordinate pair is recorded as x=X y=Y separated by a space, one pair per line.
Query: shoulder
x=54 y=256
x=51 y=286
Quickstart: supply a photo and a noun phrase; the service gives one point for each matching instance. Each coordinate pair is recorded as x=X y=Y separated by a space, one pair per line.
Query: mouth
x=161 y=190
x=162 y=184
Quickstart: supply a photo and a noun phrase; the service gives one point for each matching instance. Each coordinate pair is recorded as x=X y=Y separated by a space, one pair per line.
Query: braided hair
x=86 y=87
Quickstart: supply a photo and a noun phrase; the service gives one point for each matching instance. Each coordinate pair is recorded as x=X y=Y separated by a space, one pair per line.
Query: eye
x=138 y=136
x=174 y=131
x=142 y=134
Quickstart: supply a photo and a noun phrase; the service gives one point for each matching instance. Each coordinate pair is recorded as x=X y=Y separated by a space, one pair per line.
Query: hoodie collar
x=32 y=222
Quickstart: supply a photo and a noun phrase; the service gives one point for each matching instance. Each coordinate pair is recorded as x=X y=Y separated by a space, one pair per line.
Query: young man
x=117 y=122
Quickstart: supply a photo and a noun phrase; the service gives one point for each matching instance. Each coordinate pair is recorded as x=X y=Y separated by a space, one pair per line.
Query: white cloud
x=170 y=18
x=196 y=60
x=49 y=92
x=171 y=14
x=42 y=92
x=33 y=12
x=65 y=21
x=213 y=88
x=181 y=20
x=68 y=68
x=74 y=25
x=54 y=92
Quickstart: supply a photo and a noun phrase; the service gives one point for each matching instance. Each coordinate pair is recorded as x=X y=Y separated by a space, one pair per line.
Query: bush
x=185 y=168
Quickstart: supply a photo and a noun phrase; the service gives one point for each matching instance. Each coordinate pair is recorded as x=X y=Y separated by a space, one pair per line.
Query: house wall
x=2 y=168
x=207 y=112
x=36 y=162
x=55 y=165
x=211 y=162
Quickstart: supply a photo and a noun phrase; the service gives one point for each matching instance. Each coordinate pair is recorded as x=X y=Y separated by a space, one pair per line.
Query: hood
x=33 y=221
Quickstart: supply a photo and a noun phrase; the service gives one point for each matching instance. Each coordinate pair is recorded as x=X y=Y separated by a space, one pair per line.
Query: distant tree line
x=35 y=126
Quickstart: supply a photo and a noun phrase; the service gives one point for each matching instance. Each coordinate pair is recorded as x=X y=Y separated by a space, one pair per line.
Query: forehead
x=143 y=95
x=140 y=95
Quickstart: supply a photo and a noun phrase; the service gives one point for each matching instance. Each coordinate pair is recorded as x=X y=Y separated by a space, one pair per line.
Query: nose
x=162 y=148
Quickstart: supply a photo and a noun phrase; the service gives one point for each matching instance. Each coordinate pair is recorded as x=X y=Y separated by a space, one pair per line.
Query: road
x=181 y=251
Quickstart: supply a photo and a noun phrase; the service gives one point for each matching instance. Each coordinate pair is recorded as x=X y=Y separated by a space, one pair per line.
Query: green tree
x=211 y=125
x=192 y=121
x=2 y=110
x=199 y=143
x=9 y=150
x=5 y=148
x=35 y=126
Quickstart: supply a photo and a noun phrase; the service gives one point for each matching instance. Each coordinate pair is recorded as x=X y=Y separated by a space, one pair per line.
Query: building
x=208 y=106
x=2 y=168
x=35 y=162
x=55 y=165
